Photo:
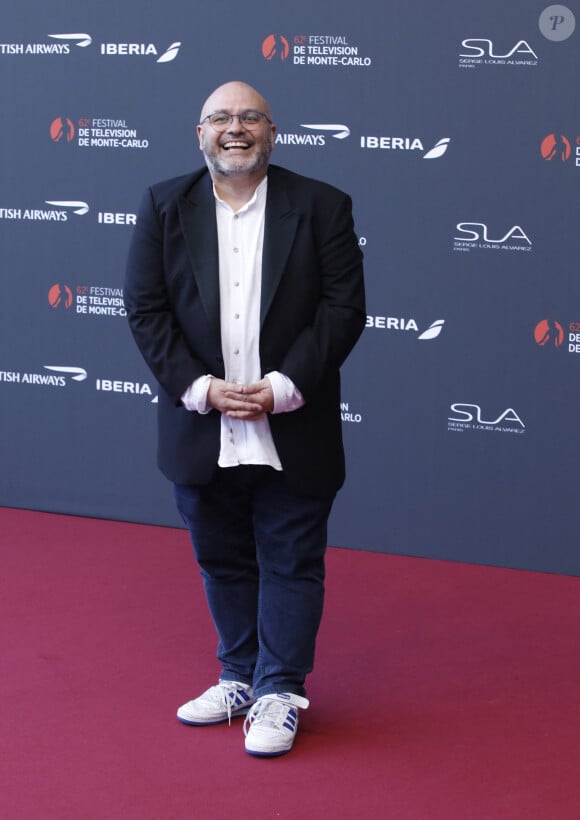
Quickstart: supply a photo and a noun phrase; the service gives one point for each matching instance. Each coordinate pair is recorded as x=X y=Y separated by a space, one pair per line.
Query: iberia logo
x=556 y=146
x=60 y=296
x=62 y=130
x=275 y=45
x=548 y=333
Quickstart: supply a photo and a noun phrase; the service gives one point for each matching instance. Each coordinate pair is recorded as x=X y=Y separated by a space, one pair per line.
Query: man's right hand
x=228 y=398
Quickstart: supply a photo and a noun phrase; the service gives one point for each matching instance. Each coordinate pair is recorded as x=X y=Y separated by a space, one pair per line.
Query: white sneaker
x=271 y=725
x=219 y=703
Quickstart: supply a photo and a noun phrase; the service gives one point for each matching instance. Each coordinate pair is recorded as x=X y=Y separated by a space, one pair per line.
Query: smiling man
x=244 y=292
x=240 y=153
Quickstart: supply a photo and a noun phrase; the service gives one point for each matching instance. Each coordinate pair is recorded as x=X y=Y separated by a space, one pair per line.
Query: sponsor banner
x=467 y=417
x=166 y=55
x=61 y=210
x=550 y=333
x=407 y=144
x=410 y=326
x=123 y=387
x=315 y=50
x=349 y=414
x=556 y=23
x=60 y=45
x=96 y=132
x=482 y=51
x=61 y=376
x=54 y=45
x=317 y=135
x=88 y=300
x=470 y=236
x=558 y=149
x=46 y=376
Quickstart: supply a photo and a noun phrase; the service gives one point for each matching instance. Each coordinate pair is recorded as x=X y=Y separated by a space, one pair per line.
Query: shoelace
x=228 y=691
x=273 y=711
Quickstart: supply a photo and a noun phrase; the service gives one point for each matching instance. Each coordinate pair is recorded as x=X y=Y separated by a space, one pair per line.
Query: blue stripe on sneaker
x=291 y=718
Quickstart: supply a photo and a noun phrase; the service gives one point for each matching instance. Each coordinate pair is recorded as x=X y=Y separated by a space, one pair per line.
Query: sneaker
x=219 y=703
x=270 y=727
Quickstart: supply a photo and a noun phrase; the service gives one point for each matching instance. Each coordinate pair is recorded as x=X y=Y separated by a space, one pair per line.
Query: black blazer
x=312 y=312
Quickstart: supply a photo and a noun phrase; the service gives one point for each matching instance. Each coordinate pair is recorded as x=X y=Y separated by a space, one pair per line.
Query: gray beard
x=219 y=168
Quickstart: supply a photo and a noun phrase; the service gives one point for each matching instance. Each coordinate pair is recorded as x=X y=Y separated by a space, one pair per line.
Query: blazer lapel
x=198 y=223
x=279 y=231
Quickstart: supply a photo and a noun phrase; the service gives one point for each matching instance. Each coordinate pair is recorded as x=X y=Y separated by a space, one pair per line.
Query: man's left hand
x=260 y=393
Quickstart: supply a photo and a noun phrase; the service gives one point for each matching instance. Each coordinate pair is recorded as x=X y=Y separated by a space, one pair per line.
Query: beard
x=239 y=165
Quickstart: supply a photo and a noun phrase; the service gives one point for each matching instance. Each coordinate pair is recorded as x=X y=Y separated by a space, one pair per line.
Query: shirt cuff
x=287 y=397
x=195 y=397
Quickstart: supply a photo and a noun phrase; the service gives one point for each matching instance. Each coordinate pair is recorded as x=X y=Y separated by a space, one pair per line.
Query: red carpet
x=441 y=691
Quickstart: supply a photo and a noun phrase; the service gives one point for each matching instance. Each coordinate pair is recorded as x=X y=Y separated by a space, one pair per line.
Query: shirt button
x=236 y=351
x=236 y=250
x=236 y=315
x=236 y=284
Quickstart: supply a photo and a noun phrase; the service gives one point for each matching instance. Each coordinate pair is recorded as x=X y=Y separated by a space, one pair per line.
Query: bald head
x=236 y=150
x=235 y=96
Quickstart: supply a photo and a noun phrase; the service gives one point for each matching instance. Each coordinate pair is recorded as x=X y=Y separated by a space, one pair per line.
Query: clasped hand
x=241 y=401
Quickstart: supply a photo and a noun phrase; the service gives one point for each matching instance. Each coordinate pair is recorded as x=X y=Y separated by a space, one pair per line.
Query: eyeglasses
x=221 y=120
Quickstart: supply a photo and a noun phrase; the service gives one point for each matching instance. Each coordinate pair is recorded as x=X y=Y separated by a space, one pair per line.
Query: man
x=244 y=293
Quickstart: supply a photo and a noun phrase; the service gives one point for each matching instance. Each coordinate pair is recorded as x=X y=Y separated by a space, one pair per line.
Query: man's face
x=237 y=151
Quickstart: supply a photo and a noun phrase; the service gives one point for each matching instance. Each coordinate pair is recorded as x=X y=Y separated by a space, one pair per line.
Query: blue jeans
x=261 y=552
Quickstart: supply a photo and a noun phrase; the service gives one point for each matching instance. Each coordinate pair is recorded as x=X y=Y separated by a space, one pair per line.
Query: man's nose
x=236 y=125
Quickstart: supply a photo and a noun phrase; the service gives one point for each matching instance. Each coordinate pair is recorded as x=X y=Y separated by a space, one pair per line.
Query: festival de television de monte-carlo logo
x=549 y=333
x=323 y=50
x=557 y=148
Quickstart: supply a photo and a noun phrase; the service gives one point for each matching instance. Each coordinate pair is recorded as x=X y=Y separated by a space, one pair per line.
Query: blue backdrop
x=454 y=126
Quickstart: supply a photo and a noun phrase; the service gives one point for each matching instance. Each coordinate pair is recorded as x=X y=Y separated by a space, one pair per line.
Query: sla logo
x=60 y=296
x=275 y=45
x=470 y=417
x=475 y=235
x=62 y=129
x=481 y=51
x=406 y=144
x=140 y=50
x=556 y=146
x=394 y=323
x=548 y=333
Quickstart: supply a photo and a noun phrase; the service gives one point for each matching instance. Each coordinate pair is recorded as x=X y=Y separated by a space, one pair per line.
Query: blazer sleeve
x=149 y=310
x=340 y=315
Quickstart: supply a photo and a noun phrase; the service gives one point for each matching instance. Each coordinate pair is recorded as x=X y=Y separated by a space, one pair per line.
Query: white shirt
x=240 y=243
